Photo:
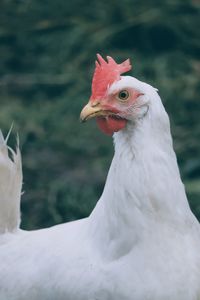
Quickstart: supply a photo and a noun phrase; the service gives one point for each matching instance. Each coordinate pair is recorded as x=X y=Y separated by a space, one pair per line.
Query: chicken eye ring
x=123 y=95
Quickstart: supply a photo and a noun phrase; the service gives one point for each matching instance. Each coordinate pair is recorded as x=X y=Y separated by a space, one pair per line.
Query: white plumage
x=141 y=240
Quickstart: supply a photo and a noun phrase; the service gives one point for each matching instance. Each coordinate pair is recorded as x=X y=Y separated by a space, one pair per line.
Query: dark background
x=47 y=53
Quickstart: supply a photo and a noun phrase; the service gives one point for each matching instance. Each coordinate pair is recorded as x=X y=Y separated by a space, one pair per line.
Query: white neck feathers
x=143 y=187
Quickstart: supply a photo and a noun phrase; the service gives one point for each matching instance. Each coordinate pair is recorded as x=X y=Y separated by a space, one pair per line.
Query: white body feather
x=141 y=242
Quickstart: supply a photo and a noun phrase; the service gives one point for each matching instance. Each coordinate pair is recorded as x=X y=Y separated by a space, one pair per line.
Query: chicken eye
x=123 y=95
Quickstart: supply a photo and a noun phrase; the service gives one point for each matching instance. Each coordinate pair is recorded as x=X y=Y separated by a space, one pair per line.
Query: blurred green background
x=47 y=53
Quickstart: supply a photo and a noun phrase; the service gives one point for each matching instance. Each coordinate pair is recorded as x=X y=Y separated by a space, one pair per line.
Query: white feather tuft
x=10 y=185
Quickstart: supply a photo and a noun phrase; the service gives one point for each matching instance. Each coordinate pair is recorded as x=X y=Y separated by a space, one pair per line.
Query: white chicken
x=141 y=242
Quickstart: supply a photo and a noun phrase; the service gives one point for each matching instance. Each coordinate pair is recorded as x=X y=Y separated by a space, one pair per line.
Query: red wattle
x=109 y=125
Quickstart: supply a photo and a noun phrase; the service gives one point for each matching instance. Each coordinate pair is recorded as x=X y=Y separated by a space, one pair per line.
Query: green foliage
x=47 y=51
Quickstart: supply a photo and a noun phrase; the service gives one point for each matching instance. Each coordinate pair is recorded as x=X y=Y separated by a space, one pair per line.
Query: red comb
x=106 y=73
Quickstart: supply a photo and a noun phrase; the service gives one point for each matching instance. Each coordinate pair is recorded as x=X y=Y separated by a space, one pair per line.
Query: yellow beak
x=92 y=110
